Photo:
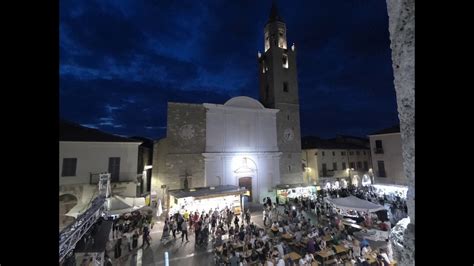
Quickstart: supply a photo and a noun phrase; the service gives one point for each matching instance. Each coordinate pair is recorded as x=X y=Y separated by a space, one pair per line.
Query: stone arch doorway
x=247 y=183
x=66 y=203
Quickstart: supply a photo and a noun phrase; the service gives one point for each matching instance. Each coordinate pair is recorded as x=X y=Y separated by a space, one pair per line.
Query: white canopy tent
x=354 y=203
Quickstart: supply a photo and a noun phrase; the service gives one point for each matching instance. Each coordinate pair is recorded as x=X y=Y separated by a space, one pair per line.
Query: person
x=236 y=221
x=108 y=260
x=184 y=231
x=264 y=216
x=311 y=246
x=281 y=262
x=309 y=258
x=365 y=250
x=247 y=216
x=197 y=230
x=118 y=248
x=384 y=256
x=134 y=239
x=234 y=260
x=146 y=235
x=174 y=227
x=186 y=215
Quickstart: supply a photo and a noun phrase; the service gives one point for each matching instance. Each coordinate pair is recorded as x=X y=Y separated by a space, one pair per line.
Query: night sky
x=122 y=61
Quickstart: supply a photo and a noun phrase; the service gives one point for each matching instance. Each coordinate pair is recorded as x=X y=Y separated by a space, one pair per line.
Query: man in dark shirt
x=234 y=261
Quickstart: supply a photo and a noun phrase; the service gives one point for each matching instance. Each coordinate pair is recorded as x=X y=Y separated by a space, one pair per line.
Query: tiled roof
x=394 y=129
x=69 y=131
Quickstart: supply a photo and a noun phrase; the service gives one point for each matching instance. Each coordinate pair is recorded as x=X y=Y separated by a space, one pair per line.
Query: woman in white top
x=280 y=262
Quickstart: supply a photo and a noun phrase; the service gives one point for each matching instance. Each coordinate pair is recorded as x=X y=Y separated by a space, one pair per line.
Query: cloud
x=123 y=60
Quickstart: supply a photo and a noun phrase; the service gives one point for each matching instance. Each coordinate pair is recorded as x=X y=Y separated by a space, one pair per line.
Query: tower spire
x=274 y=16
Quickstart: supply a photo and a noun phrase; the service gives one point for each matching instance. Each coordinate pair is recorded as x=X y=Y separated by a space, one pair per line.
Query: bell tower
x=279 y=90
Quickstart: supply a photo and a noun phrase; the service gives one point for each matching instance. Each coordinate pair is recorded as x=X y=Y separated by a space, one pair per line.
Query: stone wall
x=402 y=36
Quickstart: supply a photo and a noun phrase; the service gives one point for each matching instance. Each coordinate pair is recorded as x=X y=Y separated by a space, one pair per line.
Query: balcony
x=378 y=150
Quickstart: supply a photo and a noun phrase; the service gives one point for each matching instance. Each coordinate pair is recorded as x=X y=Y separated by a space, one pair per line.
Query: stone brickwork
x=402 y=36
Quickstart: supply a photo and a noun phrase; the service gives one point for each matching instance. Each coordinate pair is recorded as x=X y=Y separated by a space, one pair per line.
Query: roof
x=393 y=129
x=207 y=191
x=312 y=142
x=244 y=102
x=145 y=141
x=274 y=16
x=351 y=137
x=354 y=203
x=69 y=131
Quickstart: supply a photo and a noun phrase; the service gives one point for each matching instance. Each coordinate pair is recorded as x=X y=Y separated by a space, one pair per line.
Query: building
x=386 y=146
x=145 y=162
x=329 y=159
x=243 y=142
x=83 y=154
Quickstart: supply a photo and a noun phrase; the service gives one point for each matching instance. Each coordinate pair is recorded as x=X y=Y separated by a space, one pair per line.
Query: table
x=340 y=249
x=237 y=245
x=327 y=238
x=293 y=256
x=325 y=254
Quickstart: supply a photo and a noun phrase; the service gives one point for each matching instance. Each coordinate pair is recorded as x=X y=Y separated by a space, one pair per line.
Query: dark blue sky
x=122 y=61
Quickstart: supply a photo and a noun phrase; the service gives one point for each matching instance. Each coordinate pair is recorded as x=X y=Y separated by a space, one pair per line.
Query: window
x=343 y=165
x=285 y=86
x=381 y=166
x=364 y=153
x=316 y=154
x=366 y=166
x=352 y=165
x=288 y=117
x=378 y=146
x=289 y=168
x=333 y=153
x=114 y=168
x=343 y=153
x=325 y=170
x=285 y=61
x=334 y=166
x=69 y=167
x=351 y=153
x=358 y=152
x=322 y=153
x=359 y=165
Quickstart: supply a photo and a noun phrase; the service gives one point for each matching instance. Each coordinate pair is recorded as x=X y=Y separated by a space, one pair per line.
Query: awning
x=119 y=205
x=77 y=210
x=208 y=192
x=354 y=203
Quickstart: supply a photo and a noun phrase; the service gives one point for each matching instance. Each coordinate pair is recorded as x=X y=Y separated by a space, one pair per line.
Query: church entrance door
x=247 y=183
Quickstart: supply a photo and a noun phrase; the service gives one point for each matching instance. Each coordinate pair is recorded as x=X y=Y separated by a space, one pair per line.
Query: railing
x=70 y=235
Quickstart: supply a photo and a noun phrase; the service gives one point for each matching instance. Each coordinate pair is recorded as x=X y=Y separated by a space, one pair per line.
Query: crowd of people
x=291 y=237
x=393 y=202
x=126 y=232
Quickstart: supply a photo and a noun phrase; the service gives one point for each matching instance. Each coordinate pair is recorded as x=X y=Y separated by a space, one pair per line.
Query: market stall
x=286 y=192
x=207 y=198
x=391 y=190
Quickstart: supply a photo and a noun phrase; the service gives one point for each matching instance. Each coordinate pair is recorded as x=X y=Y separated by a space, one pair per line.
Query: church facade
x=244 y=142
